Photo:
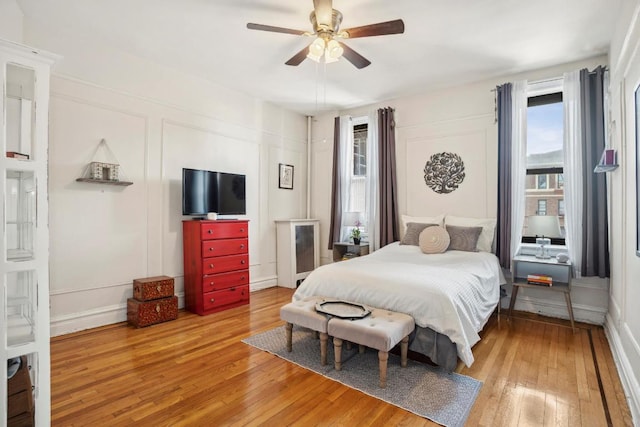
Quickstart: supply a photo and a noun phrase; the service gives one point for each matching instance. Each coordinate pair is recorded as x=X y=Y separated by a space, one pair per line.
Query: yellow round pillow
x=434 y=240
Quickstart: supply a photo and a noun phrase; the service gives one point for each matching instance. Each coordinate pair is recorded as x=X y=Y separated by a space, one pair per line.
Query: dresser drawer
x=213 y=300
x=226 y=263
x=224 y=230
x=224 y=247
x=216 y=282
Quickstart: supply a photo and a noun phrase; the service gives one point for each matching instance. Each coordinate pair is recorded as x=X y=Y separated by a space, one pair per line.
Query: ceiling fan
x=326 y=28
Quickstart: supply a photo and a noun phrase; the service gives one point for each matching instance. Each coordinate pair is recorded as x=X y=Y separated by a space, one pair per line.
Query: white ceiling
x=446 y=42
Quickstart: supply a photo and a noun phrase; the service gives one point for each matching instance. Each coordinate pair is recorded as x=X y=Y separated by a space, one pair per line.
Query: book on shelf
x=539 y=279
x=17 y=155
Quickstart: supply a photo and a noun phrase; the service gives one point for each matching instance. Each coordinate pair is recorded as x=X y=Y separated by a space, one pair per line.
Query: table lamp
x=544 y=227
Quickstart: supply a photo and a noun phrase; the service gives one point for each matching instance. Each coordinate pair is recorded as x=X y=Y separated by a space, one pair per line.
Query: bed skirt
x=437 y=347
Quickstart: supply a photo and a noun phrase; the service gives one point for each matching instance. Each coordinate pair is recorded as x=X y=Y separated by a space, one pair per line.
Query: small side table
x=342 y=248
x=561 y=273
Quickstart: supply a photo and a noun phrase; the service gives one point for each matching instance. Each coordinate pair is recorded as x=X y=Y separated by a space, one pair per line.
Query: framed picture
x=285 y=177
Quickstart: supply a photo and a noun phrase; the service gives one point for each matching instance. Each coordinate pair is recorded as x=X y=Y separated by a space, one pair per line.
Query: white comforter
x=453 y=293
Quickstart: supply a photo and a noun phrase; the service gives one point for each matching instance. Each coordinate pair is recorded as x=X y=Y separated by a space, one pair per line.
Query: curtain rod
x=550 y=79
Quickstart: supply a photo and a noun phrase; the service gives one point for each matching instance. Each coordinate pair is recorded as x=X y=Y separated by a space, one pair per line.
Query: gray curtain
x=595 y=232
x=388 y=191
x=336 y=200
x=503 y=229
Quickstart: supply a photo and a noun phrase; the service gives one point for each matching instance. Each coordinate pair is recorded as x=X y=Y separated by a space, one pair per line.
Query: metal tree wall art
x=444 y=172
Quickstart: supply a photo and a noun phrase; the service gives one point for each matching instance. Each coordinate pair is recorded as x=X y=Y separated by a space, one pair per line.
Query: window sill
x=530 y=249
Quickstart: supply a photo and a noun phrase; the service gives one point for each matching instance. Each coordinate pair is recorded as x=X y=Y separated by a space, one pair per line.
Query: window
x=544 y=191
x=542 y=207
x=542 y=182
x=357 y=181
x=360 y=150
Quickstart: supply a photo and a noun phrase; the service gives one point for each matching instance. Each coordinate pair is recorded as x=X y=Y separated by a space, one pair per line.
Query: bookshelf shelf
x=605 y=168
x=104 y=181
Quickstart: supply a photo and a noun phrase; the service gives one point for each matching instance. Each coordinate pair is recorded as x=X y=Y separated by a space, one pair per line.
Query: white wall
x=623 y=318
x=156 y=121
x=459 y=120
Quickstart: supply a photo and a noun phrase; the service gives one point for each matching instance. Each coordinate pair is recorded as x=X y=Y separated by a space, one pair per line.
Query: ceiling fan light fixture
x=334 y=51
x=316 y=49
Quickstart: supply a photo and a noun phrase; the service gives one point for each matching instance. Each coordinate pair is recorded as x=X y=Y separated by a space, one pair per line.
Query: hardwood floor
x=194 y=371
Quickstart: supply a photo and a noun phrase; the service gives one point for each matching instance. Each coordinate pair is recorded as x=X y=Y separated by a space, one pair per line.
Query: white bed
x=452 y=294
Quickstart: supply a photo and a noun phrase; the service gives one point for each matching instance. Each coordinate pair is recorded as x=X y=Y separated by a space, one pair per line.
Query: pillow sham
x=434 y=240
x=412 y=235
x=485 y=241
x=405 y=219
x=463 y=238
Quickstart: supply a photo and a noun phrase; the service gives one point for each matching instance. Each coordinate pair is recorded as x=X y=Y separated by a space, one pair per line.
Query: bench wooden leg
x=404 y=349
x=337 y=349
x=383 y=356
x=323 y=348
x=289 y=328
x=361 y=348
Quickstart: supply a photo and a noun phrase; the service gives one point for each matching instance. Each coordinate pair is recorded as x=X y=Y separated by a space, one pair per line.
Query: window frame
x=552 y=96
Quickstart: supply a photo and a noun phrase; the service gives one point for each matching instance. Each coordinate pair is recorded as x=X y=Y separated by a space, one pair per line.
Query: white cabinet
x=298 y=246
x=24 y=266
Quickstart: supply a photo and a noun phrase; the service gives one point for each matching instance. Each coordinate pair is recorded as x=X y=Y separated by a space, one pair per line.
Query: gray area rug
x=432 y=393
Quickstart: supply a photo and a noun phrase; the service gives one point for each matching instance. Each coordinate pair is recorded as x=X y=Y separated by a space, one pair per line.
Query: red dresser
x=216 y=265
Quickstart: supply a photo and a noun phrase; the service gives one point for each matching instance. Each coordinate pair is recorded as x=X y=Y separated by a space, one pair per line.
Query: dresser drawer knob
x=212 y=300
x=210 y=231
x=157 y=308
x=241 y=277
x=241 y=246
x=211 y=283
x=210 y=265
x=242 y=262
x=242 y=230
x=211 y=249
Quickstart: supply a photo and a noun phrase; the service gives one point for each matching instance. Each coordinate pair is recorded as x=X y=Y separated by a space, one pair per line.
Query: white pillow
x=485 y=241
x=406 y=219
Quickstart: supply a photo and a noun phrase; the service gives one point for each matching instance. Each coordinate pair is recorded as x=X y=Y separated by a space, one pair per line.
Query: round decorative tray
x=343 y=309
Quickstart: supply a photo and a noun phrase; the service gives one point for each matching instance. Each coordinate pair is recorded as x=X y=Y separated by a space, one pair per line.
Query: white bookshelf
x=24 y=265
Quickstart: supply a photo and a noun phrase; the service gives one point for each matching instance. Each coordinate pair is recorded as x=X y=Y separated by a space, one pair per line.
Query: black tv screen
x=207 y=191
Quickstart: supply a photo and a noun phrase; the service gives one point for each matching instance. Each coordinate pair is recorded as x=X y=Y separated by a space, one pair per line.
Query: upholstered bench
x=381 y=330
x=303 y=313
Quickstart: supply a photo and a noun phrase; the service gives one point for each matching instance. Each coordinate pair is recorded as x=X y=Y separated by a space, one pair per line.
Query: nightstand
x=340 y=249
x=560 y=272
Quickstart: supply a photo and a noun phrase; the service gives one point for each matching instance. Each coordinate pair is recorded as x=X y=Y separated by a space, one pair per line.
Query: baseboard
x=74 y=322
x=625 y=371
x=263 y=283
x=581 y=313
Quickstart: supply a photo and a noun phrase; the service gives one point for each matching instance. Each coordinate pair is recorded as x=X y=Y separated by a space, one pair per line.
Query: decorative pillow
x=463 y=238
x=406 y=219
x=434 y=240
x=485 y=242
x=412 y=235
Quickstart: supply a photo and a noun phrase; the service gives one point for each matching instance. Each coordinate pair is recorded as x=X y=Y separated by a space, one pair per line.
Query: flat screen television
x=208 y=191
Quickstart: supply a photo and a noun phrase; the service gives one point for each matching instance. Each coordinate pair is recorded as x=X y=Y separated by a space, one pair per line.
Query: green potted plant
x=355 y=233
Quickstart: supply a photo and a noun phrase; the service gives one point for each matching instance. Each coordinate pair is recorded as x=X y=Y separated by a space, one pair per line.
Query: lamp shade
x=544 y=226
x=316 y=49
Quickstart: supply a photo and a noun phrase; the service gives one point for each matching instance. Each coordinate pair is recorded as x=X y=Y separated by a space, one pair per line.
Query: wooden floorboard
x=194 y=371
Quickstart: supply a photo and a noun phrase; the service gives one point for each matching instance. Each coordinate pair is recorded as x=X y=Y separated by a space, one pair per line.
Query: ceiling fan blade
x=354 y=57
x=298 y=57
x=261 y=27
x=379 y=29
x=324 y=11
